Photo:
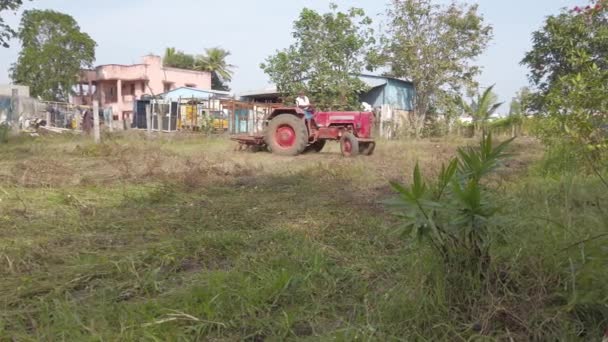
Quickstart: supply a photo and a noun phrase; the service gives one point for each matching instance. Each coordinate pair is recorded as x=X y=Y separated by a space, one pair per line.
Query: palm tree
x=214 y=61
x=482 y=108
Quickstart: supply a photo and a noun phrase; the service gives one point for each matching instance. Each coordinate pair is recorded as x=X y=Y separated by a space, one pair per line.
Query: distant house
x=21 y=90
x=118 y=86
x=189 y=93
x=394 y=92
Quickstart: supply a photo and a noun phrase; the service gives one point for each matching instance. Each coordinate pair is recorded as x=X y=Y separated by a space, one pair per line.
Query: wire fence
x=20 y=112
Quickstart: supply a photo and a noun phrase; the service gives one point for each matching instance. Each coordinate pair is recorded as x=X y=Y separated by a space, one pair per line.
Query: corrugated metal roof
x=186 y=92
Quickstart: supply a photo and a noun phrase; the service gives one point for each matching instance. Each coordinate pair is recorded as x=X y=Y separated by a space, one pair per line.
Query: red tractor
x=288 y=132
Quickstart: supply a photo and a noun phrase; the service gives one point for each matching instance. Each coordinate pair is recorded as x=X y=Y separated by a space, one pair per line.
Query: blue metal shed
x=187 y=92
x=399 y=94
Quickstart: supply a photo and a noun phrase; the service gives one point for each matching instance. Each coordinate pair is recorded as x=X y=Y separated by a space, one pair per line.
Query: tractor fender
x=289 y=110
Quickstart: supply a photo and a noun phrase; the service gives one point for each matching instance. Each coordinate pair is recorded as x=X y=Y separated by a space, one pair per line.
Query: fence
x=15 y=110
x=18 y=112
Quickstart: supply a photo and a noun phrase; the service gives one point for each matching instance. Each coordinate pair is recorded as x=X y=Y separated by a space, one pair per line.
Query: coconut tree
x=178 y=59
x=214 y=61
x=482 y=108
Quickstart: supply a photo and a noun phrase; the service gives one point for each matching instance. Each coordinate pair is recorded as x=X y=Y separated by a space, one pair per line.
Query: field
x=182 y=238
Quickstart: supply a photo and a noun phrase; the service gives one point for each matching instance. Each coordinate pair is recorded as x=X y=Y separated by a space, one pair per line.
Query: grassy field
x=185 y=239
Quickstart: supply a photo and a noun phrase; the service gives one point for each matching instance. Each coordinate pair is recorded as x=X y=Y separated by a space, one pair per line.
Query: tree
x=569 y=72
x=329 y=50
x=517 y=110
x=6 y=32
x=482 y=108
x=214 y=61
x=434 y=46
x=53 y=52
x=178 y=59
x=520 y=103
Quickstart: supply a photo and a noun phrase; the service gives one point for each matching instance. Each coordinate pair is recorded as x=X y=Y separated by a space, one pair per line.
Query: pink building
x=117 y=86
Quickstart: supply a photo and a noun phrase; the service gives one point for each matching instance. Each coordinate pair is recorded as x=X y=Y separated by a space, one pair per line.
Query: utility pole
x=96 y=122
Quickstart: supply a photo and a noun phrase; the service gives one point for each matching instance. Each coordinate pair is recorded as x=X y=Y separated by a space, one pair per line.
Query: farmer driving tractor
x=303 y=102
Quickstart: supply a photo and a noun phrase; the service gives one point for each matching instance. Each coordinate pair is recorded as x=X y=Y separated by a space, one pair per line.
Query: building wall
x=400 y=95
x=375 y=97
x=117 y=86
x=7 y=90
x=397 y=94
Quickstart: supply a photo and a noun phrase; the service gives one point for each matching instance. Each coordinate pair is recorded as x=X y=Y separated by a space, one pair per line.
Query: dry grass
x=182 y=237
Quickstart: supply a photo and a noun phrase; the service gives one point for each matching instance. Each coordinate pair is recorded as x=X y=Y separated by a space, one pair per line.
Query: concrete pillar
x=90 y=91
x=15 y=111
x=148 y=120
x=102 y=98
x=96 y=122
x=159 y=118
x=119 y=103
x=119 y=94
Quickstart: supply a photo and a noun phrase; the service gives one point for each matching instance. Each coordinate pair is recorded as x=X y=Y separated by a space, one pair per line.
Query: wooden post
x=16 y=111
x=159 y=119
x=96 y=122
x=111 y=120
x=148 y=120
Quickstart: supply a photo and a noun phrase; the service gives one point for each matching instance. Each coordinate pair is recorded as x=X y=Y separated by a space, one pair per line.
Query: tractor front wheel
x=286 y=135
x=367 y=148
x=349 y=145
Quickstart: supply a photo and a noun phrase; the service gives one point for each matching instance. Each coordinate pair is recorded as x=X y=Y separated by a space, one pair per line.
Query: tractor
x=289 y=132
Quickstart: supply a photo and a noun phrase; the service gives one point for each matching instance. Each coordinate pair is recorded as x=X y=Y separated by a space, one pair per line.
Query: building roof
x=272 y=90
x=374 y=81
x=371 y=81
x=188 y=92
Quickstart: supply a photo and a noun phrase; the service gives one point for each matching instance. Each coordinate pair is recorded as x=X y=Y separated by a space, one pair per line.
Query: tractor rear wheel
x=315 y=147
x=349 y=145
x=286 y=135
x=367 y=148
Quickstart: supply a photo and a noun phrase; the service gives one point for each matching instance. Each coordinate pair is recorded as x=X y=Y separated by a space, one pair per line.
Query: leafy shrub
x=4 y=131
x=453 y=213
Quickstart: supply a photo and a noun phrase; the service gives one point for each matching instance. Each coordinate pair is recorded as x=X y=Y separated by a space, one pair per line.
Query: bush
x=4 y=132
x=453 y=214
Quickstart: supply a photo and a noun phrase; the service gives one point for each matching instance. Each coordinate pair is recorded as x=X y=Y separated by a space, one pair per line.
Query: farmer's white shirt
x=302 y=101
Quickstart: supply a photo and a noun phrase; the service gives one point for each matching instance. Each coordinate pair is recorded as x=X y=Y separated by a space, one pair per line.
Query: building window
x=167 y=87
x=190 y=85
x=143 y=87
x=132 y=88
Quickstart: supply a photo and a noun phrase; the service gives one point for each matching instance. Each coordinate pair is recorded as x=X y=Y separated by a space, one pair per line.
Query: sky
x=252 y=30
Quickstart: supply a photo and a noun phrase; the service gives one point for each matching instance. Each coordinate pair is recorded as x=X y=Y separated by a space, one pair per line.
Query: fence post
x=15 y=106
x=96 y=122
x=111 y=119
x=148 y=120
x=159 y=119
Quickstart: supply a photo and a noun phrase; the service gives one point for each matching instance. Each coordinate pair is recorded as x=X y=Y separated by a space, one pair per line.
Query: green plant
x=435 y=46
x=453 y=213
x=481 y=109
x=4 y=131
x=329 y=49
x=570 y=76
x=45 y=35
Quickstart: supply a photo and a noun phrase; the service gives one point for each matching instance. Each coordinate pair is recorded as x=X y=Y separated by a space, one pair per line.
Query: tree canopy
x=482 y=107
x=53 y=52
x=569 y=71
x=214 y=60
x=328 y=51
x=435 y=47
x=6 y=32
x=178 y=59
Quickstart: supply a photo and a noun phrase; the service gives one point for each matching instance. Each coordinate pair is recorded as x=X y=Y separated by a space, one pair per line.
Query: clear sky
x=125 y=30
